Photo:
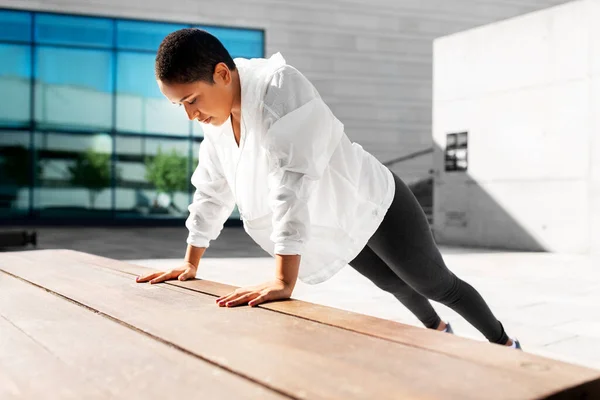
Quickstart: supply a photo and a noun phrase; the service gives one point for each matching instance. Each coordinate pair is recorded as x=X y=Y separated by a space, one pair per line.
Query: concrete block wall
x=371 y=60
x=526 y=90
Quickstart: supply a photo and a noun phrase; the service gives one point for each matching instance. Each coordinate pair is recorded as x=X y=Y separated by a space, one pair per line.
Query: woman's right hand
x=183 y=273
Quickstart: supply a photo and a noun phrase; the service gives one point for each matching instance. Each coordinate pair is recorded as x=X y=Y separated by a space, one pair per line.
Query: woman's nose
x=191 y=113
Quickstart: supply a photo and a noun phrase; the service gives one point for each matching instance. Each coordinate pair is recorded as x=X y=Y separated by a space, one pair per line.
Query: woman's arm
x=213 y=203
x=300 y=139
x=194 y=254
x=213 y=200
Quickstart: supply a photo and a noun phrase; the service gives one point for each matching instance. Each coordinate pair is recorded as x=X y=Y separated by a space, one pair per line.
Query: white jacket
x=300 y=185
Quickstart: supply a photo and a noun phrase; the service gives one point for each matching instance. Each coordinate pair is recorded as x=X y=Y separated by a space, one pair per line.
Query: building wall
x=371 y=60
x=593 y=15
x=526 y=91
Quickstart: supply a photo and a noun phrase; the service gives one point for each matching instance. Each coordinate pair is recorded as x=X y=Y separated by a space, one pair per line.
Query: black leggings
x=403 y=259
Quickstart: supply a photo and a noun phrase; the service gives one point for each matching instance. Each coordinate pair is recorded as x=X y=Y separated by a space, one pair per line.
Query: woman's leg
x=368 y=264
x=405 y=243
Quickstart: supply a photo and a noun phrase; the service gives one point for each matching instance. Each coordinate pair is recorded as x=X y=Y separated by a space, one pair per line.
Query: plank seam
x=32 y=338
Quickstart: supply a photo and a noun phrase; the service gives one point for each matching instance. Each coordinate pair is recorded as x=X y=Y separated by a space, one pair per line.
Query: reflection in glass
x=140 y=35
x=15 y=173
x=73 y=89
x=141 y=107
x=15 y=26
x=94 y=90
x=15 y=83
x=77 y=175
x=154 y=178
x=73 y=30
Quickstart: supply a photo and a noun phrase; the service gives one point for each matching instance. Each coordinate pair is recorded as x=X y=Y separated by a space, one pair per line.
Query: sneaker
x=517 y=344
x=449 y=328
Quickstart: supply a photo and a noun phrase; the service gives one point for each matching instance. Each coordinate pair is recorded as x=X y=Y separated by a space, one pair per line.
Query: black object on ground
x=17 y=238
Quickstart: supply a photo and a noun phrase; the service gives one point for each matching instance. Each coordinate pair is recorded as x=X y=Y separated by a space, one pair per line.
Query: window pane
x=451 y=141
x=462 y=140
x=15 y=81
x=138 y=35
x=239 y=42
x=16 y=163
x=73 y=30
x=461 y=159
x=73 y=88
x=15 y=25
x=76 y=176
x=141 y=107
x=151 y=185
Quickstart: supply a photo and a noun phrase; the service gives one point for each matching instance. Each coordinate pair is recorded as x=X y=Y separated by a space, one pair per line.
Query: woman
x=307 y=195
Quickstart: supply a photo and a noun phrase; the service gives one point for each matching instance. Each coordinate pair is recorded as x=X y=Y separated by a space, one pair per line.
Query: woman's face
x=209 y=103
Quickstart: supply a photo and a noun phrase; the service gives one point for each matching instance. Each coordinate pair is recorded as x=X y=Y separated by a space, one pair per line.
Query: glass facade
x=84 y=130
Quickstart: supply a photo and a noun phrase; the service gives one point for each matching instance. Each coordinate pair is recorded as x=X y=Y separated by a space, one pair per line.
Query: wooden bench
x=77 y=326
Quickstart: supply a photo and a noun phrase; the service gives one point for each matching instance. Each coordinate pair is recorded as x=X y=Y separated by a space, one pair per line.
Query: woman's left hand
x=273 y=290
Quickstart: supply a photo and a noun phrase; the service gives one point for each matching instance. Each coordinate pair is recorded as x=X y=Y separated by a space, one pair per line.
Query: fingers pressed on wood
x=162 y=278
x=148 y=277
x=242 y=299
x=259 y=300
x=223 y=299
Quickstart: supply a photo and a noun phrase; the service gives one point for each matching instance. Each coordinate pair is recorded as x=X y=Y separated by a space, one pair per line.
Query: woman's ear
x=222 y=73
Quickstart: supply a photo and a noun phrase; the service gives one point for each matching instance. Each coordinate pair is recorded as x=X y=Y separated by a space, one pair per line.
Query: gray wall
x=371 y=60
x=527 y=91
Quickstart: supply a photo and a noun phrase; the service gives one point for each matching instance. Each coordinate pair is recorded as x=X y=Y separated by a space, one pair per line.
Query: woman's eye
x=193 y=101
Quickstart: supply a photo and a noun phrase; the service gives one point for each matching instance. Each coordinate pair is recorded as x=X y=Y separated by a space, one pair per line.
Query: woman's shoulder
x=287 y=91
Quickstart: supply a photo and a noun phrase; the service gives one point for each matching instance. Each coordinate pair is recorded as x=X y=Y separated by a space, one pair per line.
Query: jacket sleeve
x=301 y=137
x=213 y=200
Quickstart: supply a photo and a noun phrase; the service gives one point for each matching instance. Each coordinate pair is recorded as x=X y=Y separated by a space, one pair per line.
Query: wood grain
x=29 y=371
x=299 y=357
x=53 y=348
x=455 y=346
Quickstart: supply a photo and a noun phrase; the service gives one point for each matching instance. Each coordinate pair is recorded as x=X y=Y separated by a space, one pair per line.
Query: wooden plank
x=53 y=348
x=29 y=371
x=553 y=371
x=302 y=358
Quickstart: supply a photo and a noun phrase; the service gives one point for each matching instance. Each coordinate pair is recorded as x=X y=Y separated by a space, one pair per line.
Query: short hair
x=190 y=55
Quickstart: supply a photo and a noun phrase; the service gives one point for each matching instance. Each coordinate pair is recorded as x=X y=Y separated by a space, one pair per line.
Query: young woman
x=307 y=195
